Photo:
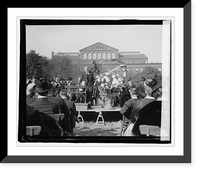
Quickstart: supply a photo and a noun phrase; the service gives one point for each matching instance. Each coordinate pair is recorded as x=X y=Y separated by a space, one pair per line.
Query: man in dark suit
x=63 y=108
x=33 y=118
x=132 y=106
x=87 y=79
x=42 y=103
x=72 y=109
x=46 y=106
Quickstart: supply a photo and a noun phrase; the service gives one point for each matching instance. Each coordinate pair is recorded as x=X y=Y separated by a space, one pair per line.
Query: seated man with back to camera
x=33 y=118
x=72 y=110
x=131 y=107
x=46 y=106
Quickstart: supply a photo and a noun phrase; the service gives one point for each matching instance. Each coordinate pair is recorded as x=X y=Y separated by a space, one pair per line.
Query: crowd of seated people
x=40 y=97
x=45 y=98
x=144 y=107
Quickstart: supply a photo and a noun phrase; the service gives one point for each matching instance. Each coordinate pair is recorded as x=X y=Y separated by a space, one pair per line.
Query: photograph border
x=186 y=158
x=24 y=23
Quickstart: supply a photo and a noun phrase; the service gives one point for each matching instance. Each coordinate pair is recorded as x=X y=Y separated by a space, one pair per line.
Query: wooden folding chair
x=33 y=130
x=125 y=123
x=149 y=130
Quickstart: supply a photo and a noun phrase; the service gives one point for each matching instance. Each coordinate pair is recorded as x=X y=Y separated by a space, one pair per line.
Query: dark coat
x=71 y=106
x=73 y=112
x=88 y=78
x=63 y=108
x=29 y=99
x=124 y=96
x=145 y=101
x=131 y=109
x=45 y=106
x=71 y=91
x=89 y=83
x=149 y=115
x=34 y=118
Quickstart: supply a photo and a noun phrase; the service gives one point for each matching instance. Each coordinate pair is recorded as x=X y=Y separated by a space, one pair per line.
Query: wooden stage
x=99 y=110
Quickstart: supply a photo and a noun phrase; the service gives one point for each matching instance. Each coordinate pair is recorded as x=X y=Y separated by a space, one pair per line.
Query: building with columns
x=134 y=60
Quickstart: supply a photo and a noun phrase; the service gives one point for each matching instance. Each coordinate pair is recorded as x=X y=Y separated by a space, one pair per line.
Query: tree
x=36 y=65
x=147 y=73
x=98 y=67
x=150 y=72
x=60 y=67
x=46 y=68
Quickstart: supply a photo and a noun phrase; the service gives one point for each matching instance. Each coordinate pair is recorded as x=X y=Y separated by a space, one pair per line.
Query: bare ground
x=93 y=129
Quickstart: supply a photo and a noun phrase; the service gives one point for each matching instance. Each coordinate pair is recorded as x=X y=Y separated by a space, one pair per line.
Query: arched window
x=89 y=56
x=94 y=56
x=108 y=56
x=99 y=55
x=84 y=56
x=104 y=56
x=113 y=55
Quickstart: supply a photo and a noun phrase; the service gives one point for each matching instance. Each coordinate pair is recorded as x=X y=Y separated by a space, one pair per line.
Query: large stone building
x=134 y=60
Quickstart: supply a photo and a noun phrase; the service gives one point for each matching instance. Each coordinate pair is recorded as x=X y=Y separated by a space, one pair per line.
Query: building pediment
x=99 y=47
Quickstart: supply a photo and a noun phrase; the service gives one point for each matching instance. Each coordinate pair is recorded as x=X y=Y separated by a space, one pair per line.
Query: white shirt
x=40 y=97
x=149 y=97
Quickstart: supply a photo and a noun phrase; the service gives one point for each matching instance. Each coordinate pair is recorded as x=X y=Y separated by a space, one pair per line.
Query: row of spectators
x=144 y=107
x=41 y=104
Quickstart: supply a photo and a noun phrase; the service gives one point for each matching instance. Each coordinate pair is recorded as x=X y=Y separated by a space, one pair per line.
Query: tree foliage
x=41 y=66
x=148 y=73
x=60 y=67
x=36 y=65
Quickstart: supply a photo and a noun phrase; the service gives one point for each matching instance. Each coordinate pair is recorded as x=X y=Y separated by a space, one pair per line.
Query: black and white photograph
x=98 y=85
x=95 y=81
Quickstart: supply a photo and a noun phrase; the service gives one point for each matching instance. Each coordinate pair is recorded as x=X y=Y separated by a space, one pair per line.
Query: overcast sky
x=71 y=38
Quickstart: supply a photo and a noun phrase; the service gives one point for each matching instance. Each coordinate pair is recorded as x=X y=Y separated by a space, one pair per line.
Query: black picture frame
x=185 y=158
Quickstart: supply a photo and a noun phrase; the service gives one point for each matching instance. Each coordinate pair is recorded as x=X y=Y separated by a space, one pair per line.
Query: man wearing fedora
x=44 y=105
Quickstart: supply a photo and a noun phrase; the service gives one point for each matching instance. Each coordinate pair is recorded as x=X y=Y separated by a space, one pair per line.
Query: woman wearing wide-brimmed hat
x=148 y=93
x=151 y=113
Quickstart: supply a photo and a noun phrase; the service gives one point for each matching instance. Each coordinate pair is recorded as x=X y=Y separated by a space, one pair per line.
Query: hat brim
x=39 y=90
x=158 y=85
